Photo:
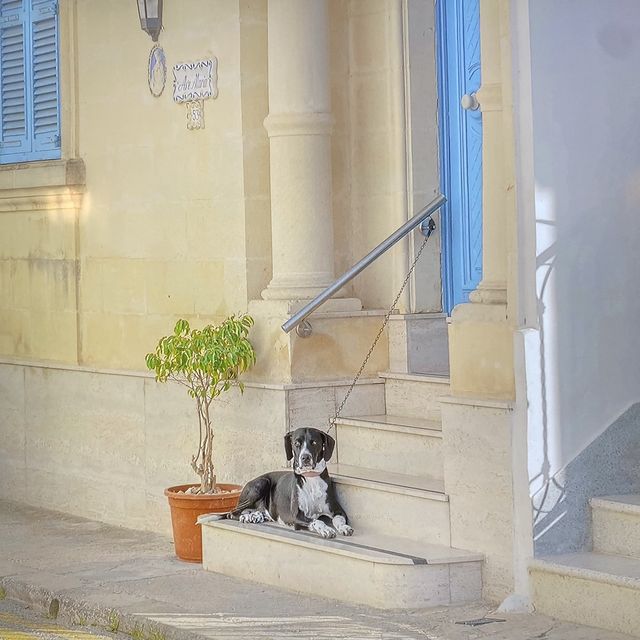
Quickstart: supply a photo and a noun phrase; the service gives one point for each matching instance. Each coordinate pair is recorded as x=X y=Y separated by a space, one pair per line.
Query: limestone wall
x=105 y=444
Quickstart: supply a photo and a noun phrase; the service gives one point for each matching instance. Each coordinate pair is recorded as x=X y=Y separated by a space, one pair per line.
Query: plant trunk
x=202 y=463
x=207 y=452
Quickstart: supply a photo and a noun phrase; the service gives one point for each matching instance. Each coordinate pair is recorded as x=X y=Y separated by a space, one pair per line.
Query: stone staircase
x=600 y=588
x=388 y=472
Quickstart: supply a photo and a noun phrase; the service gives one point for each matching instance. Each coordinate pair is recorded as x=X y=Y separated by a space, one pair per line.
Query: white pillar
x=299 y=128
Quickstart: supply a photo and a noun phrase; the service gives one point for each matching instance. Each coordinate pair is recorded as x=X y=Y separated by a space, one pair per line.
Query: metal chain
x=430 y=229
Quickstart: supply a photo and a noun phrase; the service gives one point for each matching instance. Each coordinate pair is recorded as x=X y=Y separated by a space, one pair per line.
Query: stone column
x=481 y=333
x=483 y=421
x=299 y=128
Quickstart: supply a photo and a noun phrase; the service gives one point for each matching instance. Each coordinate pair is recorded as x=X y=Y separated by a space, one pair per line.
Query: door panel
x=458 y=24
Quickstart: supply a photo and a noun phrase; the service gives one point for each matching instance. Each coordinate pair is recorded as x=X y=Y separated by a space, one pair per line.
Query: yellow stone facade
x=144 y=221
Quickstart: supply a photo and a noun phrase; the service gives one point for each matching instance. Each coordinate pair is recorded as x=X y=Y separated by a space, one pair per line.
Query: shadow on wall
x=608 y=466
x=584 y=423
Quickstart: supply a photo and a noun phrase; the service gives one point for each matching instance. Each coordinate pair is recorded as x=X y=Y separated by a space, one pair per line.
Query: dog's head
x=310 y=450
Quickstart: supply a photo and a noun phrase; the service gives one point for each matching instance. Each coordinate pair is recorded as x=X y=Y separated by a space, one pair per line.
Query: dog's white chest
x=312 y=497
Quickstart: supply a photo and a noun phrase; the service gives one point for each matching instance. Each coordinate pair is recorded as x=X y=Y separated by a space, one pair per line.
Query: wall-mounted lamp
x=150 y=12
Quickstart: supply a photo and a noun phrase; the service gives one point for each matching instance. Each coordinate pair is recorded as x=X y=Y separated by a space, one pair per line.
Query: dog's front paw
x=340 y=523
x=322 y=529
x=255 y=517
x=345 y=530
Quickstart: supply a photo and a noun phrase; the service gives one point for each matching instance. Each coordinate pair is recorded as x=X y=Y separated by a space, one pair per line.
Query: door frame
x=444 y=153
x=449 y=42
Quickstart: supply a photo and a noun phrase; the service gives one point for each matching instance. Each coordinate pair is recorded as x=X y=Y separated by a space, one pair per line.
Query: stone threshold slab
x=486 y=403
x=414 y=377
x=362 y=546
x=598 y=567
x=619 y=504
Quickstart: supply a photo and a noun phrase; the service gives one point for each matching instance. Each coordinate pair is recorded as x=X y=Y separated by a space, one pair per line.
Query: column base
x=489 y=293
x=342 y=335
x=297 y=286
x=292 y=293
x=481 y=350
x=288 y=306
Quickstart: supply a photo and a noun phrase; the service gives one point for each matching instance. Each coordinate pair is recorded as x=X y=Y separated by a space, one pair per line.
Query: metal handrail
x=362 y=264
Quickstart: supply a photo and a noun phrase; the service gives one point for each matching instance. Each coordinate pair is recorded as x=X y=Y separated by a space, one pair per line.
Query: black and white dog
x=304 y=499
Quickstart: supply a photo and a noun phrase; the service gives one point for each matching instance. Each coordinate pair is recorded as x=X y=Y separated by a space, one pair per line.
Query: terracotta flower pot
x=185 y=509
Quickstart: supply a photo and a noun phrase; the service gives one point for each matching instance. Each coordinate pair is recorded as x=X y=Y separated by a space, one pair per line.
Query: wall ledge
x=277 y=386
x=487 y=403
x=36 y=186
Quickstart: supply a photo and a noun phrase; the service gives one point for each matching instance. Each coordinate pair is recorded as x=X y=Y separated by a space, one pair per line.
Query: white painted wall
x=581 y=135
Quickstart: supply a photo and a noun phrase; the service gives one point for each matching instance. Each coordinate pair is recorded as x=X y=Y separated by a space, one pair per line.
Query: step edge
x=253 y=530
x=388 y=487
x=368 y=423
x=374 y=556
x=610 y=504
x=415 y=377
x=582 y=573
x=427 y=315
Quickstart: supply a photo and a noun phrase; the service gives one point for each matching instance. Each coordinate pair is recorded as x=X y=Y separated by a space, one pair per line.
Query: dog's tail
x=251 y=494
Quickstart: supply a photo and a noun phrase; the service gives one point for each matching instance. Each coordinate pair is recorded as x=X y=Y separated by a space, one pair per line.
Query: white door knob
x=469 y=102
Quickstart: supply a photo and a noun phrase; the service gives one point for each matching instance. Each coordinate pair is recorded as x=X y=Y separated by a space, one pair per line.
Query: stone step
x=391 y=443
x=414 y=395
x=383 y=572
x=393 y=504
x=616 y=525
x=595 y=589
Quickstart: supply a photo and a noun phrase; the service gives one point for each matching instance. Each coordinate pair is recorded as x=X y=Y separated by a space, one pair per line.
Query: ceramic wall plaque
x=195 y=80
x=157 y=72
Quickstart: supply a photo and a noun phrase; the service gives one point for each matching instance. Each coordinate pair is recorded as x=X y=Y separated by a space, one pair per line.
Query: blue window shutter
x=14 y=124
x=45 y=94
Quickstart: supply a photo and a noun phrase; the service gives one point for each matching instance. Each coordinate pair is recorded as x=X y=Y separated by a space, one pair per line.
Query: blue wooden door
x=460 y=130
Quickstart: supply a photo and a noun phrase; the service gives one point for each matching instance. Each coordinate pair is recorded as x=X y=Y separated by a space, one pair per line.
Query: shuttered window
x=29 y=81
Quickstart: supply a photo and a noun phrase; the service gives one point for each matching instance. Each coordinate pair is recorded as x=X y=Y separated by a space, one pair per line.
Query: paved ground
x=82 y=572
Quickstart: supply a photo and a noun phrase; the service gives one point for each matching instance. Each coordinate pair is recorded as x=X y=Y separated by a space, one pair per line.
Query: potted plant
x=208 y=362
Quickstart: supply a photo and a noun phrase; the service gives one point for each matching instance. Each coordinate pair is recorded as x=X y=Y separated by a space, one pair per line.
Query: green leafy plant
x=208 y=362
x=137 y=633
x=114 y=622
x=155 y=634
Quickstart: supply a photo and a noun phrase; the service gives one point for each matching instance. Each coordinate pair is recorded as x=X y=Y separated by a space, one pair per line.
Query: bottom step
x=595 y=589
x=382 y=572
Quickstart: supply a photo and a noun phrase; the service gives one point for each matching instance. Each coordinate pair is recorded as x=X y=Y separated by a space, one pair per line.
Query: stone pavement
x=89 y=573
x=17 y=622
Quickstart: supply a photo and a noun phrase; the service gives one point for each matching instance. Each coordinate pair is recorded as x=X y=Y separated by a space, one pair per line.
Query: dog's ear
x=287 y=445
x=328 y=445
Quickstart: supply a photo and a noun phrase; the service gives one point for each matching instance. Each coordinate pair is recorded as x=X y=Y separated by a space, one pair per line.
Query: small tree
x=207 y=362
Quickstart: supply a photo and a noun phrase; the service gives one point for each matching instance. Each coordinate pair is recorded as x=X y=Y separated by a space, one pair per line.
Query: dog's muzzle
x=310 y=470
